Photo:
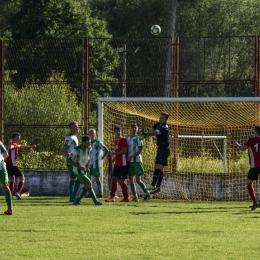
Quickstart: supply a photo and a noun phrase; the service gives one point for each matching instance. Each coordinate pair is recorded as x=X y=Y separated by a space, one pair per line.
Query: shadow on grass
x=177 y=212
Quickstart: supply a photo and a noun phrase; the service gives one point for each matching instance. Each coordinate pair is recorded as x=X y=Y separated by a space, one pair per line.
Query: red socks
x=11 y=187
x=113 y=190
x=20 y=186
x=251 y=192
x=124 y=191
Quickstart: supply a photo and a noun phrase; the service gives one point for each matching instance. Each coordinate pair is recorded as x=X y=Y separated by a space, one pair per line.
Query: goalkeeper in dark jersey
x=161 y=131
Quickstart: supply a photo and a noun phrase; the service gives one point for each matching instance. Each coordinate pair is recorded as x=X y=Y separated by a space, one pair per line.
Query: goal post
x=203 y=163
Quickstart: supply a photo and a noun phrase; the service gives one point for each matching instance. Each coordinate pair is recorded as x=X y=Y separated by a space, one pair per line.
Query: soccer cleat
x=134 y=199
x=124 y=200
x=254 y=206
x=8 y=212
x=146 y=198
x=72 y=199
x=150 y=187
x=98 y=203
x=110 y=200
x=157 y=189
x=76 y=203
x=18 y=196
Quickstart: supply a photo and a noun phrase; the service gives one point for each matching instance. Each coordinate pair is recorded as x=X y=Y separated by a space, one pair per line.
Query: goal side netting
x=203 y=164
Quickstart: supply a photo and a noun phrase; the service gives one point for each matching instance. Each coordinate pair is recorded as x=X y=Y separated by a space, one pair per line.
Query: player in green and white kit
x=79 y=158
x=97 y=154
x=136 y=169
x=4 y=179
x=71 y=141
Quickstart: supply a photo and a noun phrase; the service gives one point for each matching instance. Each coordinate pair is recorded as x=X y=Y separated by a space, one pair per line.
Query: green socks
x=82 y=194
x=76 y=187
x=133 y=189
x=99 y=185
x=92 y=194
x=8 y=198
x=142 y=185
x=71 y=185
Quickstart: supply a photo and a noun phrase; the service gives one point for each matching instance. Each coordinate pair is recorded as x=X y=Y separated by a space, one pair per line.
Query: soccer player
x=71 y=141
x=136 y=169
x=4 y=179
x=79 y=158
x=97 y=154
x=120 y=171
x=253 y=147
x=12 y=165
x=161 y=131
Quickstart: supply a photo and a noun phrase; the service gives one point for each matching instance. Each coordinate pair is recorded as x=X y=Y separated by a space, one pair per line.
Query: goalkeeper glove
x=142 y=132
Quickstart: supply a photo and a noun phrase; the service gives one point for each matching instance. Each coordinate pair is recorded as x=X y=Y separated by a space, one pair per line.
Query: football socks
x=8 y=198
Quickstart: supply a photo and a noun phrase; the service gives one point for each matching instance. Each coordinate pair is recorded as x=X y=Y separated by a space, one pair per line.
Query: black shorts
x=162 y=155
x=121 y=172
x=253 y=174
x=13 y=170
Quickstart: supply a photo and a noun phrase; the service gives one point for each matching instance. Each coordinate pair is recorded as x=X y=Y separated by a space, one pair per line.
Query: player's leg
x=121 y=181
x=75 y=189
x=147 y=195
x=7 y=192
x=96 y=172
x=18 y=173
x=131 y=173
x=73 y=178
x=11 y=177
x=252 y=175
x=113 y=190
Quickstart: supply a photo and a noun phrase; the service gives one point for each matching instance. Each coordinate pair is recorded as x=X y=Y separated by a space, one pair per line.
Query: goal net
x=203 y=164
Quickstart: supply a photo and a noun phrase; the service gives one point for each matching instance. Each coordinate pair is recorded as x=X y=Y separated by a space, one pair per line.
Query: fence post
x=177 y=67
x=257 y=66
x=2 y=90
x=85 y=81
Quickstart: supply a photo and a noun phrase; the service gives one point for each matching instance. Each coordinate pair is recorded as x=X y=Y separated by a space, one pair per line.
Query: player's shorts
x=162 y=155
x=96 y=172
x=13 y=171
x=121 y=172
x=135 y=169
x=70 y=169
x=83 y=178
x=253 y=174
x=3 y=176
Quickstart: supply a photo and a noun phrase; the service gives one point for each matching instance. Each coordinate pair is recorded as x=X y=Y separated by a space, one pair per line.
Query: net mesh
x=203 y=164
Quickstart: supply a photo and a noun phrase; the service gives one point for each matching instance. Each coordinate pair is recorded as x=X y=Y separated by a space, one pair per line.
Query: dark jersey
x=163 y=134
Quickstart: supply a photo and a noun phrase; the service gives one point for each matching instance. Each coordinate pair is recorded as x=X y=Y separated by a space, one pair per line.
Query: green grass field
x=51 y=228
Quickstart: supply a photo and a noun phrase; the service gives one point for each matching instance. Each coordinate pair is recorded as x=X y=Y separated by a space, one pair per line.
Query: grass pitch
x=52 y=228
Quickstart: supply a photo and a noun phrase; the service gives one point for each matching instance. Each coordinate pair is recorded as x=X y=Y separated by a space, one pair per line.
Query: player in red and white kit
x=12 y=165
x=253 y=147
x=120 y=171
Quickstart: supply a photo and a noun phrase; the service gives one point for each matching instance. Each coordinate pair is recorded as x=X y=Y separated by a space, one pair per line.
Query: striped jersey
x=2 y=150
x=71 y=141
x=13 y=154
x=253 y=145
x=96 y=154
x=133 y=145
x=119 y=145
x=81 y=157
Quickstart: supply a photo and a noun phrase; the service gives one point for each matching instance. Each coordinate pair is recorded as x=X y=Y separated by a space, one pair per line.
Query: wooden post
x=2 y=90
x=257 y=66
x=85 y=81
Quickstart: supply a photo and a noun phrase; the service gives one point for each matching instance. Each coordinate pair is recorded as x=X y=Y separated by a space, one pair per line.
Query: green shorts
x=3 y=176
x=96 y=172
x=83 y=178
x=135 y=169
x=70 y=169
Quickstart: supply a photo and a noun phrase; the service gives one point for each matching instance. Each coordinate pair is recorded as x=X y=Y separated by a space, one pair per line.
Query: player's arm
x=123 y=151
x=105 y=152
x=130 y=157
x=240 y=146
x=65 y=150
x=5 y=155
x=66 y=146
x=26 y=147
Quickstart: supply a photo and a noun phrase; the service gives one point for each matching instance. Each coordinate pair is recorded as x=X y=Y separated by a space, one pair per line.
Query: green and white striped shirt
x=2 y=160
x=71 y=141
x=98 y=151
x=133 y=145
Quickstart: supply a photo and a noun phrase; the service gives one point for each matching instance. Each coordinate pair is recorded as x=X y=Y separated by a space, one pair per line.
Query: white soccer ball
x=155 y=29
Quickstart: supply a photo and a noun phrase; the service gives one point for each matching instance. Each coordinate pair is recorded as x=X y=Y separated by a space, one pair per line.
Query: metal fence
x=44 y=84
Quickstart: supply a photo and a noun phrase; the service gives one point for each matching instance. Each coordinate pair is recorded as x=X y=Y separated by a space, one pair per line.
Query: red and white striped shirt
x=253 y=145
x=13 y=153
x=119 y=145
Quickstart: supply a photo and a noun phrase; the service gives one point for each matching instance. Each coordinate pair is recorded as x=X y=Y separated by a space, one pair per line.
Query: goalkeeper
x=161 y=131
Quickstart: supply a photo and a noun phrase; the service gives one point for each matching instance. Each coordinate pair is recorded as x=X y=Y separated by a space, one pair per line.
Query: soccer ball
x=155 y=29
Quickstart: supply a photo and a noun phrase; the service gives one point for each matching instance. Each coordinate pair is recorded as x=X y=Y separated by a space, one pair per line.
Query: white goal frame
x=173 y=100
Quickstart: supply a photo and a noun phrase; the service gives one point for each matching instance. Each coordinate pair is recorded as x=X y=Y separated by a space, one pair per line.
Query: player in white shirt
x=79 y=158
x=136 y=169
x=71 y=141
x=97 y=154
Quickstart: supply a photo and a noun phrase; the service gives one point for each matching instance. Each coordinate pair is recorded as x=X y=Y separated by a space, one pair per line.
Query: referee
x=161 y=131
